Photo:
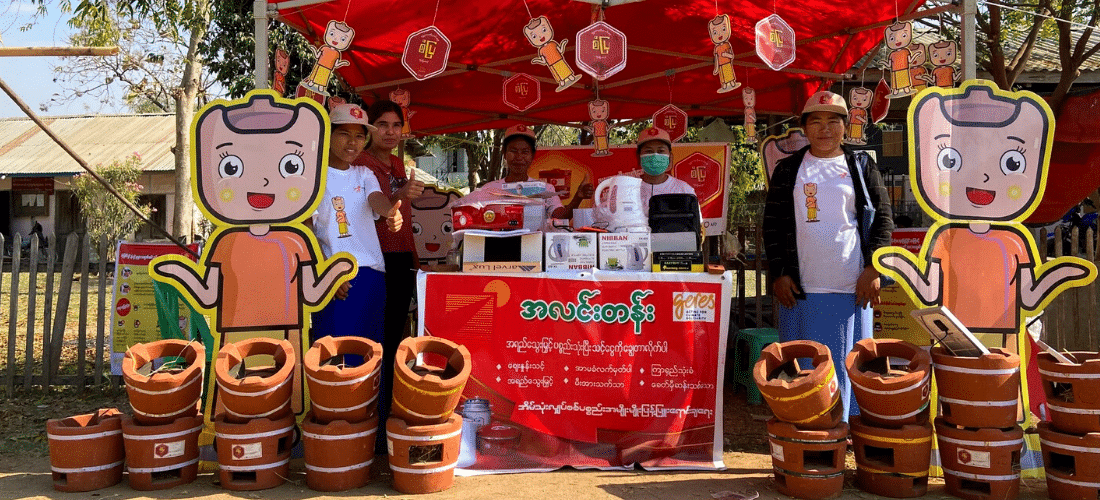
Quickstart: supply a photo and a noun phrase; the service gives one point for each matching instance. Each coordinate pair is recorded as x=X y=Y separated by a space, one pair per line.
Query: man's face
x=348 y=140
x=825 y=131
x=387 y=130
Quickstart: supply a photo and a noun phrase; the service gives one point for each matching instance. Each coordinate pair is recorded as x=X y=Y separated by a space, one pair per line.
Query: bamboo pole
x=47 y=314
x=65 y=295
x=13 y=309
x=101 y=310
x=57 y=51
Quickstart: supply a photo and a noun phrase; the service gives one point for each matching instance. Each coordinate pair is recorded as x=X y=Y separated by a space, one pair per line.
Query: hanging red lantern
x=426 y=53
x=601 y=50
x=673 y=120
x=521 y=91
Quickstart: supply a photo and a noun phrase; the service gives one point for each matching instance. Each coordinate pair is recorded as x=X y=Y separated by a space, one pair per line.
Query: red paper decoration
x=673 y=120
x=880 y=106
x=426 y=53
x=703 y=173
x=775 y=41
x=521 y=92
x=601 y=50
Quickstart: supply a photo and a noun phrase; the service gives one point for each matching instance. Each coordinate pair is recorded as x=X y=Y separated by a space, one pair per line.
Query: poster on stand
x=591 y=370
x=134 y=311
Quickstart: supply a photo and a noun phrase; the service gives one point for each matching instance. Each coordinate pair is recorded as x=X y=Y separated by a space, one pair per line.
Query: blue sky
x=32 y=77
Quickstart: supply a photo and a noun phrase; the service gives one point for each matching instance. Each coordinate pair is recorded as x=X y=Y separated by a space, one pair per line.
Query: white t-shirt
x=347 y=224
x=829 y=257
x=671 y=185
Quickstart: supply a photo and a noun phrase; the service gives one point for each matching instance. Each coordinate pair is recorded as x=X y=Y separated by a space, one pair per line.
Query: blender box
x=625 y=252
x=497 y=252
x=570 y=251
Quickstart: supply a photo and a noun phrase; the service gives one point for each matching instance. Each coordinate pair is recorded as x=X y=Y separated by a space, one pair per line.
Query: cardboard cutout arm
x=538 y=60
x=902 y=265
x=203 y=288
x=315 y=288
x=341 y=63
x=1059 y=274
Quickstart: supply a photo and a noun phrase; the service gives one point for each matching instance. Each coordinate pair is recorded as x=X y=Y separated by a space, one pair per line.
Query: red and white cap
x=653 y=134
x=520 y=130
x=826 y=101
x=349 y=113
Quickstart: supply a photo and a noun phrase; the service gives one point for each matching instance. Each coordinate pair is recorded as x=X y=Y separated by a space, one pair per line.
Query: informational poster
x=892 y=315
x=594 y=370
x=134 y=315
x=705 y=166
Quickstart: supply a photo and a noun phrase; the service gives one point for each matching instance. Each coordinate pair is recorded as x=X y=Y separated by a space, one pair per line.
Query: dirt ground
x=24 y=467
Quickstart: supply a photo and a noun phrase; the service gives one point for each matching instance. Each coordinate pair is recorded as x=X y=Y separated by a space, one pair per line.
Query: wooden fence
x=1072 y=319
x=41 y=360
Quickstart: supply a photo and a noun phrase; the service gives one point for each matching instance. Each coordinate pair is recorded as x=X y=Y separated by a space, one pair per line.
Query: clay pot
x=1072 y=463
x=1072 y=391
x=423 y=457
x=253 y=455
x=424 y=395
x=888 y=395
x=808 y=464
x=980 y=464
x=161 y=456
x=338 y=454
x=978 y=391
x=892 y=462
x=255 y=392
x=338 y=392
x=86 y=451
x=808 y=398
x=163 y=395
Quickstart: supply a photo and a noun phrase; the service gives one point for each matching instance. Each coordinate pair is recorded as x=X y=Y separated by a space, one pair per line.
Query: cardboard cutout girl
x=257 y=169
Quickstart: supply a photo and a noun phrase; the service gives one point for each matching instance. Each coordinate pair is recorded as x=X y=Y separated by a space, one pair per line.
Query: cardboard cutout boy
x=258 y=167
x=599 y=110
x=338 y=36
x=918 y=74
x=282 y=65
x=403 y=98
x=979 y=159
x=944 y=53
x=720 y=33
x=898 y=37
x=860 y=114
x=541 y=35
x=748 y=95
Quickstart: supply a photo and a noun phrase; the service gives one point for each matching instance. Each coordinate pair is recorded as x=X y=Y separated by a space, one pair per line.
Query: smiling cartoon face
x=898 y=35
x=918 y=54
x=981 y=155
x=401 y=97
x=259 y=162
x=338 y=35
x=282 y=61
x=749 y=97
x=944 y=53
x=432 y=224
x=861 y=97
x=719 y=28
x=598 y=109
x=538 y=31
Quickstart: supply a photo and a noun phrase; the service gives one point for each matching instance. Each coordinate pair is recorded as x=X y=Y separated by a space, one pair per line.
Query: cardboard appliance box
x=570 y=251
x=678 y=262
x=482 y=253
x=625 y=252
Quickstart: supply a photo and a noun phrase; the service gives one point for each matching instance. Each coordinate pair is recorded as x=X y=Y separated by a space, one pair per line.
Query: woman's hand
x=867 y=287
x=784 y=291
x=393 y=217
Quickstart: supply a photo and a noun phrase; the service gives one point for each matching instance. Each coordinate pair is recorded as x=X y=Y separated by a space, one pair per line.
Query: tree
x=105 y=215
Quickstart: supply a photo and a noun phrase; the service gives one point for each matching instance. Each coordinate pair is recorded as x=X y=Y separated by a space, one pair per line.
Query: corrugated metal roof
x=25 y=150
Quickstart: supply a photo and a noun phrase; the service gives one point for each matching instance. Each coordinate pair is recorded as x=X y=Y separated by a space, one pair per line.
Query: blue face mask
x=654 y=164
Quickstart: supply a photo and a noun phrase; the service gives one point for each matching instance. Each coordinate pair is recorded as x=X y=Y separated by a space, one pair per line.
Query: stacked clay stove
x=807 y=437
x=423 y=432
x=340 y=431
x=164 y=382
x=977 y=433
x=1071 y=439
x=255 y=432
x=892 y=436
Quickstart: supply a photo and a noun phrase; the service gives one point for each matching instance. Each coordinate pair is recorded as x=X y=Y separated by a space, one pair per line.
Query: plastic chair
x=747 y=346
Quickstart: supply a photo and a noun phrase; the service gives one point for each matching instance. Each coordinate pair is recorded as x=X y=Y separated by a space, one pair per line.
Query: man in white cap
x=819 y=236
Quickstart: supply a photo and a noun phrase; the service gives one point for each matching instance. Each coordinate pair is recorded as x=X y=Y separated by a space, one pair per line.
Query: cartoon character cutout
x=341 y=216
x=539 y=32
x=898 y=37
x=720 y=33
x=918 y=74
x=944 y=53
x=258 y=168
x=402 y=98
x=776 y=147
x=599 y=110
x=432 y=224
x=979 y=159
x=748 y=95
x=810 y=188
x=858 y=117
x=338 y=36
x=282 y=65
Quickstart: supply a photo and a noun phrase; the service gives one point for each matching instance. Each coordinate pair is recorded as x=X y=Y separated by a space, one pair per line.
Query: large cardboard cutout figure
x=979 y=159
x=432 y=224
x=257 y=170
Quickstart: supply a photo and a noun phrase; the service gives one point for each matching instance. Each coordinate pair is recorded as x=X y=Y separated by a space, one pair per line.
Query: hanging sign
x=338 y=37
x=598 y=111
x=720 y=32
x=521 y=91
x=775 y=42
x=673 y=120
x=601 y=50
x=541 y=35
x=426 y=53
x=282 y=65
x=703 y=173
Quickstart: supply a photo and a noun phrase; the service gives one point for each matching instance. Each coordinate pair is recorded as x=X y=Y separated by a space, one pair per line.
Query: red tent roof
x=669 y=49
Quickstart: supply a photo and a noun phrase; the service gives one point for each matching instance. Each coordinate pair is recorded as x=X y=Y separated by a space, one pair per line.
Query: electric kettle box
x=570 y=251
x=691 y=262
x=502 y=253
x=625 y=252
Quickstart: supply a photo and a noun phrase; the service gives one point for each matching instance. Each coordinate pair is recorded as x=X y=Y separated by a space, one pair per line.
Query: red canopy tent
x=669 y=56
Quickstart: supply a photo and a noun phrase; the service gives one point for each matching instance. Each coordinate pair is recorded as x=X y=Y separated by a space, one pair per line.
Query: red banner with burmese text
x=593 y=370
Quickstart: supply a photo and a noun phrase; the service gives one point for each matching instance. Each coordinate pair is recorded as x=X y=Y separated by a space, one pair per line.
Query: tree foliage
x=105 y=215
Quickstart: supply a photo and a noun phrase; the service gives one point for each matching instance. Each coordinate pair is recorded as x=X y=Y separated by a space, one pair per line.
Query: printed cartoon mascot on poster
x=257 y=170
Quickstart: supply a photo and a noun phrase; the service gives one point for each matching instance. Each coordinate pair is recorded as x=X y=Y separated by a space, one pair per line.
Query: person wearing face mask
x=519 y=147
x=655 y=158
